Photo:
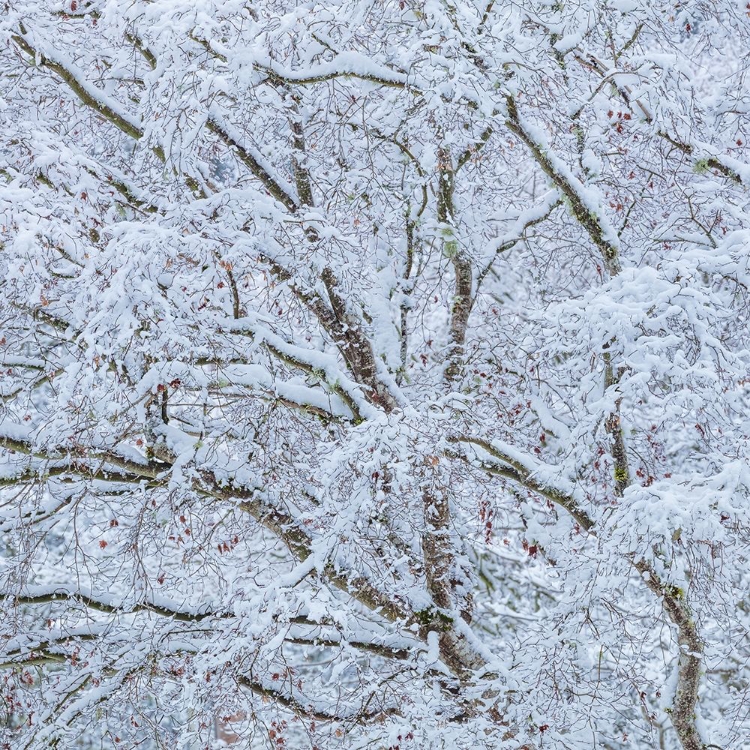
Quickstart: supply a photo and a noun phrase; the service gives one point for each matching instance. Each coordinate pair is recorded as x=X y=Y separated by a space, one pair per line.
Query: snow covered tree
x=374 y=374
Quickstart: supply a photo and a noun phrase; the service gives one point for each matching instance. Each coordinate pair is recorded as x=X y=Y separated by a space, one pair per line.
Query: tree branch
x=690 y=644
x=52 y=594
x=590 y=222
x=294 y=705
x=524 y=473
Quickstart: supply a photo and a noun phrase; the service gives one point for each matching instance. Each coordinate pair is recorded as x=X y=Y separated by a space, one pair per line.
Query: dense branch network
x=337 y=345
